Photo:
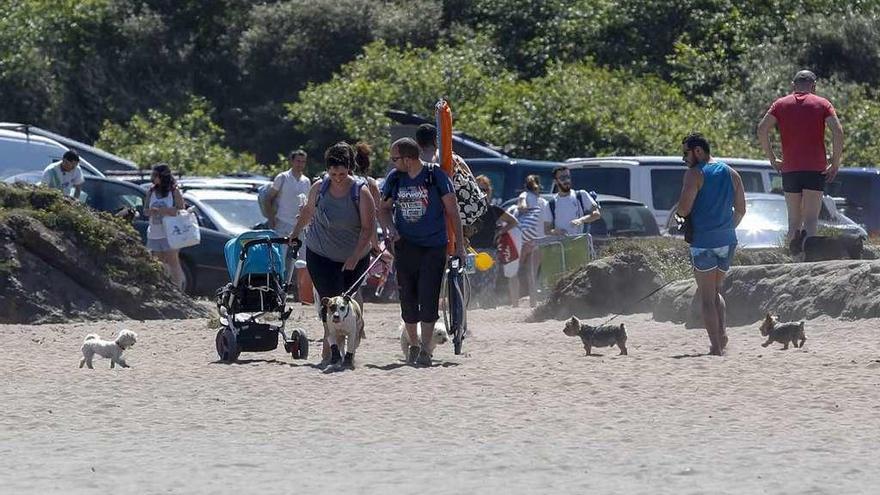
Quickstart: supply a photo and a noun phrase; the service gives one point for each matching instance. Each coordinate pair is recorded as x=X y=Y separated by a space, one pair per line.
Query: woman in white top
x=532 y=212
x=164 y=199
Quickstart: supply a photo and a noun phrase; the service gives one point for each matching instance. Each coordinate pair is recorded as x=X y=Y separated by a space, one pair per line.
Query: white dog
x=110 y=349
x=343 y=330
x=439 y=337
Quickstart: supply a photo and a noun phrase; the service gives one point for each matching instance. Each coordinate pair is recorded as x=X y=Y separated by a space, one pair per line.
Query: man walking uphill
x=421 y=198
x=802 y=117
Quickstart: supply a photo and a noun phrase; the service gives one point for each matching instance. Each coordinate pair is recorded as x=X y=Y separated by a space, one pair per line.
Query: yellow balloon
x=483 y=261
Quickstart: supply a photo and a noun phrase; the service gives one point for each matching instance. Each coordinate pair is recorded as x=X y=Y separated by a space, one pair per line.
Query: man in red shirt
x=801 y=117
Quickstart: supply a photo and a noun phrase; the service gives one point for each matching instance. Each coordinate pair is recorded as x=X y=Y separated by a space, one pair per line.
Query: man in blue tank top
x=714 y=198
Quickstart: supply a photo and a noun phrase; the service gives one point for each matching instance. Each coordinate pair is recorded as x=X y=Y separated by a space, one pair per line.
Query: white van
x=656 y=180
x=27 y=154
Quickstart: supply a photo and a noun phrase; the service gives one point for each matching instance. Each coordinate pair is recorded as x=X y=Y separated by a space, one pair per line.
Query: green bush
x=191 y=143
x=102 y=236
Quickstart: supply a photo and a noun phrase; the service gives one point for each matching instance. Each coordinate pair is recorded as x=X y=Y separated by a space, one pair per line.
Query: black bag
x=686 y=227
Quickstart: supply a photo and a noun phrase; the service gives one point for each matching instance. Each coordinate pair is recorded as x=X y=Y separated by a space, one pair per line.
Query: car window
x=752 y=181
x=544 y=174
x=203 y=219
x=497 y=177
x=603 y=180
x=665 y=187
x=625 y=220
x=109 y=196
x=237 y=213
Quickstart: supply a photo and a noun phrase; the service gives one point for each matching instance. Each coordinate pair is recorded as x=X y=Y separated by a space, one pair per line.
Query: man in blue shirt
x=421 y=197
x=713 y=197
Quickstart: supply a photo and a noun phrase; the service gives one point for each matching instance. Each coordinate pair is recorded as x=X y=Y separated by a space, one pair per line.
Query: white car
x=656 y=180
x=230 y=212
x=23 y=156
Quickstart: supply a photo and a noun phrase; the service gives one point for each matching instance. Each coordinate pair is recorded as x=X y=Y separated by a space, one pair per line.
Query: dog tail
x=92 y=336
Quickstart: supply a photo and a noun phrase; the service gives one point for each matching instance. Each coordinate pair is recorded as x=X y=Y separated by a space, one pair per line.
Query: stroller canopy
x=257 y=259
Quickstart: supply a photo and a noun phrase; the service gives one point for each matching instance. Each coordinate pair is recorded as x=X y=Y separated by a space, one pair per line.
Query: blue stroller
x=256 y=267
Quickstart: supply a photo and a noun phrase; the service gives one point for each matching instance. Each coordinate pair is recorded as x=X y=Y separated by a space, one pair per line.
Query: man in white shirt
x=287 y=194
x=65 y=175
x=572 y=211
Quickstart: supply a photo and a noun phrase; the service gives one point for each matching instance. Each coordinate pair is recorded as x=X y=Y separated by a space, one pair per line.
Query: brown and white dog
x=343 y=330
x=784 y=333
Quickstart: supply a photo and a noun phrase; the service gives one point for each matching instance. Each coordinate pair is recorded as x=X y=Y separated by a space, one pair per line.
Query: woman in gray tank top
x=340 y=214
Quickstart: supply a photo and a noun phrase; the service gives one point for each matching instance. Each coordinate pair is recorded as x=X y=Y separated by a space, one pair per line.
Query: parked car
x=859 y=189
x=204 y=265
x=508 y=175
x=621 y=217
x=229 y=212
x=24 y=156
x=656 y=180
x=98 y=158
x=766 y=223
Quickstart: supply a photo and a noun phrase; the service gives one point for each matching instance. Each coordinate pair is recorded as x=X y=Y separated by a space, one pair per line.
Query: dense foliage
x=546 y=79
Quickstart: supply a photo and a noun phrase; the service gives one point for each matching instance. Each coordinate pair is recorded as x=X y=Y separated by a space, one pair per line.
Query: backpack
x=263 y=200
x=472 y=202
x=354 y=193
x=580 y=200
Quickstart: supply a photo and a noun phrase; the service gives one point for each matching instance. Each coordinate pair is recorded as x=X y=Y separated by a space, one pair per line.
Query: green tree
x=190 y=142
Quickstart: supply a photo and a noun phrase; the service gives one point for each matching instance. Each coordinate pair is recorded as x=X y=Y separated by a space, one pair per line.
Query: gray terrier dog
x=601 y=336
x=784 y=333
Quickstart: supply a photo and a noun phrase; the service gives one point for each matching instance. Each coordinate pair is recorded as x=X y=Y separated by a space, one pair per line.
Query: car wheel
x=189 y=279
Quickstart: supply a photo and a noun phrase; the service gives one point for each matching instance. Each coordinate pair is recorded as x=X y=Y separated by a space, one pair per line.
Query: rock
x=85 y=267
x=609 y=285
x=842 y=289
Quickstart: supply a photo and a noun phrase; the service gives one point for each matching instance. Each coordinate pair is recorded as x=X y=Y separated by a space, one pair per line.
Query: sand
x=522 y=411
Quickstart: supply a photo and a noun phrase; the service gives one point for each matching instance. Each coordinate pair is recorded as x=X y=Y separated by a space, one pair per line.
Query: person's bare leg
x=534 y=261
x=177 y=275
x=721 y=308
x=812 y=204
x=794 y=204
x=706 y=286
x=513 y=290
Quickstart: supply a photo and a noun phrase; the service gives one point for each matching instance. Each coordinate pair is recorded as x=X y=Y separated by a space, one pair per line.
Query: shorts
x=708 y=259
x=159 y=245
x=796 y=182
x=328 y=277
x=419 y=279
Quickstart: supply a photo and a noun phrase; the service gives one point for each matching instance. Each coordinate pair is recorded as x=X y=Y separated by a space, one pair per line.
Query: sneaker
x=424 y=359
x=412 y=355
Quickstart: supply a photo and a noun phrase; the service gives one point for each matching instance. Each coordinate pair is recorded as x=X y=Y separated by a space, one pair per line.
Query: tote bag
x=182 y=230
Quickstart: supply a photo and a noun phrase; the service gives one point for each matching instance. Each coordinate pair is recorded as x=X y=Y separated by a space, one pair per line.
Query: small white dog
x=343 y=330
x=110 y=349
x=439 y=337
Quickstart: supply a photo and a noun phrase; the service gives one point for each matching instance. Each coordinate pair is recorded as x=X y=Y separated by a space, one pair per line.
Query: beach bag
x=472 y=202
x=182 y=230
x=509 y=246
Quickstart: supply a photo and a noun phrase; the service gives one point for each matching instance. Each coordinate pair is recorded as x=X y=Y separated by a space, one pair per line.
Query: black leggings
x=329 y=278
x=419 y=278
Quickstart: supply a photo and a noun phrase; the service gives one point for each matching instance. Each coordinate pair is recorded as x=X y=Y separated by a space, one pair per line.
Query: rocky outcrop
x=608 y=285
x=87 y=266
x=846 y=289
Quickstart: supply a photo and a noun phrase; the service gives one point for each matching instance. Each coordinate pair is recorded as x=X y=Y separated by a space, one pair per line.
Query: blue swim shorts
x=706 y=259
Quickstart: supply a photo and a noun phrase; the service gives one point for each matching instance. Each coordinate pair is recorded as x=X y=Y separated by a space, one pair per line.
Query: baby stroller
x=256 y=266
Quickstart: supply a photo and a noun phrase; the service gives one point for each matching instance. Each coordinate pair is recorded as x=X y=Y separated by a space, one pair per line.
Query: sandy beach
x=523 y=410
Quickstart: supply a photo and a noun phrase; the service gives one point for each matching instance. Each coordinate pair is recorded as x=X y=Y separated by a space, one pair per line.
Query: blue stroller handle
x=256 y=242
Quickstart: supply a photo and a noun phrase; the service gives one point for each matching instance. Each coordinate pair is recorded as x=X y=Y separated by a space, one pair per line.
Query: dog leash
x=642 y=299
x=351 y=290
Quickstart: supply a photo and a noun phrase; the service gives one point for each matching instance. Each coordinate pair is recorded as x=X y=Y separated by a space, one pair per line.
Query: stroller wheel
x=227 y=345
x=299 y=345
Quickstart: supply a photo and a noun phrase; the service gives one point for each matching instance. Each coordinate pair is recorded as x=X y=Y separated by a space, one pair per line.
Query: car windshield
x=765 y=214
x=625 y=220
x=236 y=215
